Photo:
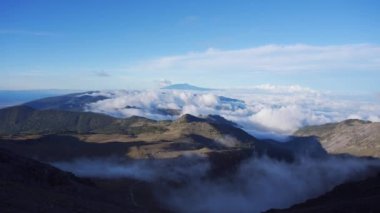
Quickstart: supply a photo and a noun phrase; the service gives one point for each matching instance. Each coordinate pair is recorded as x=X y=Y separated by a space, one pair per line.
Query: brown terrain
x=27 y=135
x=27 y=185
x=356 y=137
x=354 y=197
x=40 y=133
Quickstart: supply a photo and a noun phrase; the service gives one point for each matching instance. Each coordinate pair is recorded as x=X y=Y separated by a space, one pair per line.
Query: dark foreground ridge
x=62 y=137
x=355 y=197
x=27 y=185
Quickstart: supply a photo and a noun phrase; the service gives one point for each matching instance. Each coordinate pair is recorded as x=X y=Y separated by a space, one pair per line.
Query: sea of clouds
x=259 y=184
x=264 y=110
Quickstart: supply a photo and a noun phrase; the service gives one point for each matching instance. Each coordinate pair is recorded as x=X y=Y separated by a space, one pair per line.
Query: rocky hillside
x=356 y=137
x=27 y=185
x=135 y=137
x=26 y=120
x=354 y=197
x=65 y=136
x=70 y=102
x=23 y=121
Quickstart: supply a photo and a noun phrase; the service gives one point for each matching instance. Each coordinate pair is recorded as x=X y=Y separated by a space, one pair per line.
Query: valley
x=120 y=156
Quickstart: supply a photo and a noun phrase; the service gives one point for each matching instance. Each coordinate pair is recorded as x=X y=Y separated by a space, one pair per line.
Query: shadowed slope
x=355 y=197
x=30 y=186
x=144 y=138
x=70 y=102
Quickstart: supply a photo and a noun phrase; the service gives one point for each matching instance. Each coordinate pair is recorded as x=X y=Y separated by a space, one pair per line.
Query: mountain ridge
x=352 y=136
x=28 y=185
x=57 y=135
x=159 y=139
x=351 y=197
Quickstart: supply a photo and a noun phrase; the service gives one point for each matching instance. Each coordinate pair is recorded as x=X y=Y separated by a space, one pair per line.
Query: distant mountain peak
x=185 y=86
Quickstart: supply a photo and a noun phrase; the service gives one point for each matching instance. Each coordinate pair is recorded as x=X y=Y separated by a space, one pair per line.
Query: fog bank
x=259 y=184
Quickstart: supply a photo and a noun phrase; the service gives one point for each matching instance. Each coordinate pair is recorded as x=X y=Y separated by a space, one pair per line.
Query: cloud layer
x=262 y=109
x=258 y=184
x=273 y=58
x=262 y=184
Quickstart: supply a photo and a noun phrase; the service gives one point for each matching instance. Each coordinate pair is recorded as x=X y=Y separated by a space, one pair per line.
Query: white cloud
x=261 y=111
x=285 y=118
x=273 y=58
x=284 y=89
x=258 y=184
x=262 y=184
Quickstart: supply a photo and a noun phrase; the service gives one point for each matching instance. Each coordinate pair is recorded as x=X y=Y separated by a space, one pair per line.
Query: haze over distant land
x=15 y=97
x=185 y=87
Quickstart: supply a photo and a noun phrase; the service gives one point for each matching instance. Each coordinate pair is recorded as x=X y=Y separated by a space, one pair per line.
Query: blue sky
x=98 y=44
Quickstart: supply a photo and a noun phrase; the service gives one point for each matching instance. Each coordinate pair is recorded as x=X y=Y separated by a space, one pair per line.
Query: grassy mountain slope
x=140 y=137
x=26 y=120
x=70 y=102
x=361 y=138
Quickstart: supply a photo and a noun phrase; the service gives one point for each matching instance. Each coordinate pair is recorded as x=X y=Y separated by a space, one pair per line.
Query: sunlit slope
x=355 y=137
